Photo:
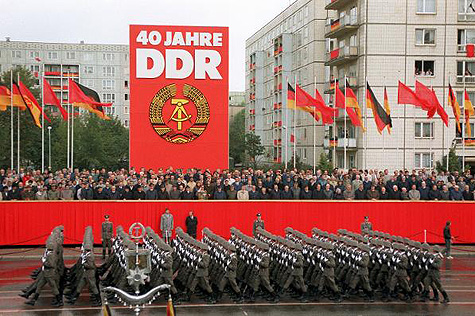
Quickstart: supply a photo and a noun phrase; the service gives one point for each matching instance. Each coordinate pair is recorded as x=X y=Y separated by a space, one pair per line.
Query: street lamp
x=49 y=146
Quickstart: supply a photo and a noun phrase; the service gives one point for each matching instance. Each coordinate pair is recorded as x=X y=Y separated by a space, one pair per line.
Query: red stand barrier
x=29 y=222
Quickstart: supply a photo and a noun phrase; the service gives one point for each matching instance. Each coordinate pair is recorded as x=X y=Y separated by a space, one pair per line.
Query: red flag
x=170 y=308
x=406 y=96
x=86 y=98
x=426 y=95
x=440 y=110
x=326 y=111
x=31 y=104
x=50 y=98
x=292 y=138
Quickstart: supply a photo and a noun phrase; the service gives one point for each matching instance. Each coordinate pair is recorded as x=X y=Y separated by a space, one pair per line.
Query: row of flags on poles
x=21 y=97
x=422 y=97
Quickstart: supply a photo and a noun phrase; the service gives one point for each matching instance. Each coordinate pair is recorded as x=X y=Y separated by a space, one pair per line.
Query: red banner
x=29 y=223
x=179 y=96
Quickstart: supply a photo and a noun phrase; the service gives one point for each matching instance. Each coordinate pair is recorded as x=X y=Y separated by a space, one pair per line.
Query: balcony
x=337 y=4
x=278 y=51
x=330 y=86
x=278 y=106
x=340 y=143
x=342 y=26
x=277 y=142
x=341 y=56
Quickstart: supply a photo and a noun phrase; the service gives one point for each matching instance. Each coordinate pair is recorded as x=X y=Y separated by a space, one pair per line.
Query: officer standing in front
x=107 y=232
x=366 y=226
x=257 y=223
x=166 y=225
x=191 y=224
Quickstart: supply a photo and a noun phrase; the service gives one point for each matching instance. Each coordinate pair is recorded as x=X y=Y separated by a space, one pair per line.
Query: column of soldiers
x=223 y=266
x=253 y=265
x=191 y=261
x=83 y=273
x=52 y=271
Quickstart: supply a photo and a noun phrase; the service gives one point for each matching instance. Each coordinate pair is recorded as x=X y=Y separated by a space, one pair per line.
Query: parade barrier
x=28 y=222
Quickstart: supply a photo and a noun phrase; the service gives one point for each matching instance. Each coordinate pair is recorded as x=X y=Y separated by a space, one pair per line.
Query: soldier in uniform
x=107 y=232
x=366 y=226
x=433 y=276
x=257 y=223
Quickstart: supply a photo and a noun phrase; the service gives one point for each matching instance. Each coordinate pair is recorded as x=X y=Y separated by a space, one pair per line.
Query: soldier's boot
x=96 y=300
x=252 y=296
x=446 y=297
x=72 y=300
x=436 y=297
x=370 y=296
x=303 y=298
x=218 y=297
x=57 y=301
x=211 y=299
x=33 y=300
x=424 y=297
x=239 y=299
x=275 y=297
x=409 y=297
x=338 y=297
x=27 y=293
x=176 y=299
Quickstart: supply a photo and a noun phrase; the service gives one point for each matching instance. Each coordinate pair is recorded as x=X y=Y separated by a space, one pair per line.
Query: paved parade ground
x=458 y=277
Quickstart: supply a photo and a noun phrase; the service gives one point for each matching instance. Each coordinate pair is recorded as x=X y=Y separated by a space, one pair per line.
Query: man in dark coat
x=191 y=223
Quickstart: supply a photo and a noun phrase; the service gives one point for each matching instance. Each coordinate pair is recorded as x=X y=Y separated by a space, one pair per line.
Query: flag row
x=345 y=98
x=18 y=95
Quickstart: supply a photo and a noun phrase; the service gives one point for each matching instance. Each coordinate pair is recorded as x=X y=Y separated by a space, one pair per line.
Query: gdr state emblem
x=179 y=118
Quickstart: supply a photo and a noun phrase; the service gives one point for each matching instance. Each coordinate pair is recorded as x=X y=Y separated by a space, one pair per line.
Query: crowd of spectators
x=246 y=184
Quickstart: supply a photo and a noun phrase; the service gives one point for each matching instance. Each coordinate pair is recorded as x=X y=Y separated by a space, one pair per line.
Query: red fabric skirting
x=29 y=222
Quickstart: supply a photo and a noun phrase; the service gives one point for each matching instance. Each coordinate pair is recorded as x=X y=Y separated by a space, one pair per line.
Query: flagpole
x=445 y=131
x=315 y=129
x=286 y=154
x=366 y=124
x=18 y=132
x=68 y=127
x=42 y=121
x=344 y=144
x=72 y=122
x=11 y=118
x=295 y=121
x=464 y=128
x=384 y=100
x=432 y=133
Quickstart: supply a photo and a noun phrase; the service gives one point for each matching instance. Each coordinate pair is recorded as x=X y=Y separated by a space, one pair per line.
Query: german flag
x=170 y=307
x=31 y=103
x=455 y=107
x=353 y=108
x=290 y=97
x=388 y=110
x=468 y=107
x=5 y=98
x=381 y=118
x=86 y=98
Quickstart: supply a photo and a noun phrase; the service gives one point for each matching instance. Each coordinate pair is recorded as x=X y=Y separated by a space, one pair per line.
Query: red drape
x=29 y=222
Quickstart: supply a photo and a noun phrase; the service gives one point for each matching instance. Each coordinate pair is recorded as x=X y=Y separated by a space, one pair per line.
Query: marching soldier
x=257 y=223
x=107 y=232
x=433 y=276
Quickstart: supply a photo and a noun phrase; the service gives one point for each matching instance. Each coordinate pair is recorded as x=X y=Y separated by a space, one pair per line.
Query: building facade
x=101 y=67
x=236 y=104
x=383 y=42
x=288 y=49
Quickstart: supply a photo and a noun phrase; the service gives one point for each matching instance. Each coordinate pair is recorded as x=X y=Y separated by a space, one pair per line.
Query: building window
x=88 y=56
x=70 y=55
x=89 y=83
x=425 y=37
x=108 y=56
x=423 y=160
x=34 y=68
x=88 y=69
x=126 y=57
x=424 y=68
x=465 y=72
x=426 y=6
x=126 y=83
x=34 y=54
x=466 y=10
x=108 y=71
x=126 y=123
x=108 y=97
x=16 y=54
x=465 y=37
x=126 y=110
x=305 y=10
x=126 y=97
x=108 y=84
x=52 y=55
x=424 y=130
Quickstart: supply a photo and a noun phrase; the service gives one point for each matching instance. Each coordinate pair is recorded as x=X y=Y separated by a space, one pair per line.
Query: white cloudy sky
x=106 y=21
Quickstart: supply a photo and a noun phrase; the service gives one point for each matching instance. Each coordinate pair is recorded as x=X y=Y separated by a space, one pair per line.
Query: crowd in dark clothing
x=245 y=184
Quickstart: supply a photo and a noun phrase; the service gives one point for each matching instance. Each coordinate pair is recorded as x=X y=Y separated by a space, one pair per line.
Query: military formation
x=346 y=265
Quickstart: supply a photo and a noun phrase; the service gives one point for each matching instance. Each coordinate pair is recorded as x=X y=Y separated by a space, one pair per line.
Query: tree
x=253 y=147
x=325 y=164
x=237 y=138
x=454 y=162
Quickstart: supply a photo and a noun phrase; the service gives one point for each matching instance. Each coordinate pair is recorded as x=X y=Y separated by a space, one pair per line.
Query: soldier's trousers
x=91 y=284
x=329 y=282
x=401 y=280
x=265 y=282
x=203 y=282
x=106 y=243
x=52 y=282
x=232 y=282
x=362 y=280
x=169 y=281
x=433 y=281
x=382 y=279
x=297 y=281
